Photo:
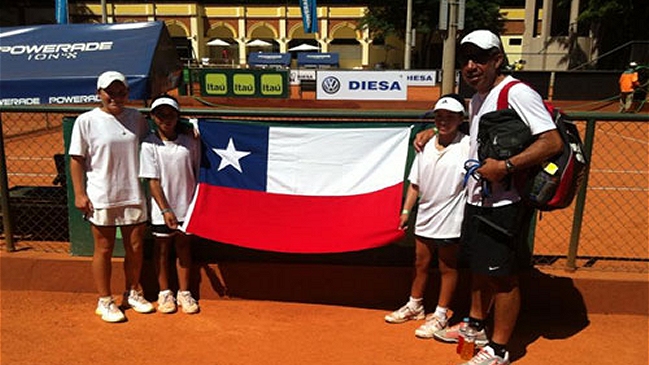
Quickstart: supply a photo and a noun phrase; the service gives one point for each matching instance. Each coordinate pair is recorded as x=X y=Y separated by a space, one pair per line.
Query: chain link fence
x=34 y=152
x=612 y=232
x=611 y=235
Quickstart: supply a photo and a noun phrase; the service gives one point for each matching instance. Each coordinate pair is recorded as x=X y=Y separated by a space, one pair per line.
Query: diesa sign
x=365 y=85
x=421 y=78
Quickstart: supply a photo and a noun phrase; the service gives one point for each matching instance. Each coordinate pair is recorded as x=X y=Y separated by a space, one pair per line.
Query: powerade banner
x=263 y=59
x=60 y=63
x=315 y=59
x=361 y=85
x=309 y=16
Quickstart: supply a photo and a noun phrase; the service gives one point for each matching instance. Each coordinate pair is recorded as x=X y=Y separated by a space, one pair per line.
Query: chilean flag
x=299 y=189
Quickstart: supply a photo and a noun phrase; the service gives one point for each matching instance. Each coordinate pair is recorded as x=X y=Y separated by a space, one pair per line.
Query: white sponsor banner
x=421 y=78
x=361 y=85
x=298 y=75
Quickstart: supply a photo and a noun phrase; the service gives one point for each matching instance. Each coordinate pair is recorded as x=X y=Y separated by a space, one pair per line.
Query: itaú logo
x=55 y=51
x=331 y=85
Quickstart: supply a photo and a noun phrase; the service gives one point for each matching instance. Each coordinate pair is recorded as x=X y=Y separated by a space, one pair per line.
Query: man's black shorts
x=495 y=240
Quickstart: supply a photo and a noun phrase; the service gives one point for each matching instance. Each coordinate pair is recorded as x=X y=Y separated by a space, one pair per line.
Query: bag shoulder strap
x=504 y=95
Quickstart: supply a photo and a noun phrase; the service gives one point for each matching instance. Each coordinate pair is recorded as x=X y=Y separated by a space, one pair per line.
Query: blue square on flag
x=235 y=155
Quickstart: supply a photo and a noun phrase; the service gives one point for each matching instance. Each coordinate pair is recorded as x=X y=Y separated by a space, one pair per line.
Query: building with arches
x=280 y=28
x=538 y=33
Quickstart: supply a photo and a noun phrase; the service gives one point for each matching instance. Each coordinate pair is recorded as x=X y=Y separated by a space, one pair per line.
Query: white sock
x=415 y=303
x=105 y=300
x=441 y=312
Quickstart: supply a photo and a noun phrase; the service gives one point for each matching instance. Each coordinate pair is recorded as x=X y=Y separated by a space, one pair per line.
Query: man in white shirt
x=496 y=224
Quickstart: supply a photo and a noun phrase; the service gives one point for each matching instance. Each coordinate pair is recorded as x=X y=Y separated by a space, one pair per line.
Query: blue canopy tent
x=260 y=59
x=58 y=64
x=317 y=59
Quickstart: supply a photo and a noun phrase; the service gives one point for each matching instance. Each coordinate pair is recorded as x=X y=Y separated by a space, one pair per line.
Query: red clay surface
x=264 y=313
x=60 y=328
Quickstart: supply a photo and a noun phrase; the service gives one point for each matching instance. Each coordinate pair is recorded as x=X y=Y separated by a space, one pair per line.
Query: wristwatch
x=509 y=166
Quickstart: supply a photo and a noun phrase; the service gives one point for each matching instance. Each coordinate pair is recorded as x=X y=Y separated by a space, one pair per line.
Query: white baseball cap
x=483 y=39
x=109 y=77
x=633 y=64
x=165 y=101
x=449 y=103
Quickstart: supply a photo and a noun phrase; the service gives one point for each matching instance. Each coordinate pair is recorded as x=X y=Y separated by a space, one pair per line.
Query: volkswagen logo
x=331 y=85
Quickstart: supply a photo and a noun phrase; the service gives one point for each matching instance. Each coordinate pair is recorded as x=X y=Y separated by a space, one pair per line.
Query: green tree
x=384 y=19
x=614 y=23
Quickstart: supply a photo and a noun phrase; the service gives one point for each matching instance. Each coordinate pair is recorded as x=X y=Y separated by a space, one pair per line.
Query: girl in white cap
x=104 y=169
x=169 y=161
x=436 y=178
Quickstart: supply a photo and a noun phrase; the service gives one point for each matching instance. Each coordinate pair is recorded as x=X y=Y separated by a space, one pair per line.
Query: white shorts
x=119 y=216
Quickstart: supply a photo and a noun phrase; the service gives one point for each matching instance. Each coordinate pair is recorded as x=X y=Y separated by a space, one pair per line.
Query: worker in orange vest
x=628 y=84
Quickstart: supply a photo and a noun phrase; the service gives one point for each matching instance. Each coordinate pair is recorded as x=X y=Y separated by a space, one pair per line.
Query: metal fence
x=606 y=229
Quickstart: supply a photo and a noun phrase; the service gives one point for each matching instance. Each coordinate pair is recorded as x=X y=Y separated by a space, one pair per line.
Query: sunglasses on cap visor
x=116 y=93
x=480 y=57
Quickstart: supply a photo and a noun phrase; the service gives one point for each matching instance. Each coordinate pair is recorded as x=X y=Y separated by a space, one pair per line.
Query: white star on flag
x=230 y=156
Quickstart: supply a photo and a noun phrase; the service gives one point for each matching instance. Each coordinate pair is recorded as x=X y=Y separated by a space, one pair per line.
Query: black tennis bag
x=502 y=134
x=554 y=184
x=558 y=180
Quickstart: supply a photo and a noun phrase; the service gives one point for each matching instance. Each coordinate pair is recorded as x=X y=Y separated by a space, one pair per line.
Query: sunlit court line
x=613 y=188
x=18 y=158
x=29 y=174
x=633 y=139
x=608 y=171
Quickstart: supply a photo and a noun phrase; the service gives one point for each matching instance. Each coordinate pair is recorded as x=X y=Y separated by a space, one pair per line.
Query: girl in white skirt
x=104 y=168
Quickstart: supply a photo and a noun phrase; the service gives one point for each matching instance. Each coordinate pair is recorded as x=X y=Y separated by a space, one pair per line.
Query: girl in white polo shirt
x=169 y=161
x=437 y=179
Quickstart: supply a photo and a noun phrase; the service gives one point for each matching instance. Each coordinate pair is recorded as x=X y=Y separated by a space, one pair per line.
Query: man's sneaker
x=188 y=304
x=108 y=311
x=452 y=334
x=432 y=325
x=136 y=300
x=405 y=314
x=486 y=356
x=166 y=302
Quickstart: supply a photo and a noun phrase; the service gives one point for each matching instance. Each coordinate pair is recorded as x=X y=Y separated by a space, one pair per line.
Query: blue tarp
x=262 y=59
x=57 y=64
x=317 y=59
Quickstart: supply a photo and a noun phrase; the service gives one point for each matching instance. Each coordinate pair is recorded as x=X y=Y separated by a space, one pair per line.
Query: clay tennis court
x=60 y=328
x=302 y=314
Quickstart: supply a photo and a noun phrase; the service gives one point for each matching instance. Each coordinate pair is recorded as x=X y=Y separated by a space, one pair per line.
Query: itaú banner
x=361 y=85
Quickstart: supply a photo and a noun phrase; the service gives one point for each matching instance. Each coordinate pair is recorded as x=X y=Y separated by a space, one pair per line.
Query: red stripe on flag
x=297 y=224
